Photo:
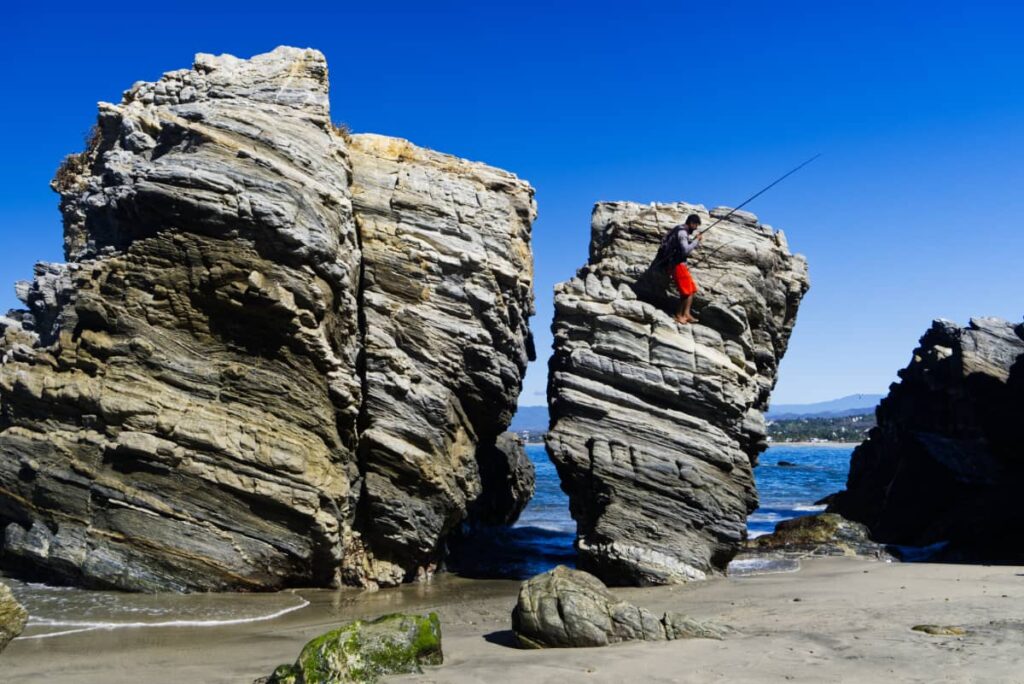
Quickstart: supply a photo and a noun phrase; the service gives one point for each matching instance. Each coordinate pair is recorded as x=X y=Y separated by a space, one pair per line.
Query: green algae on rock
x=365 y=651
x=825 y=534
x=13 y=616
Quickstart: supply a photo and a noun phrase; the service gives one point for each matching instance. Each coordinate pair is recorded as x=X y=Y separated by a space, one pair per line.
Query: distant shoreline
x=771 y=444
x=810 y=444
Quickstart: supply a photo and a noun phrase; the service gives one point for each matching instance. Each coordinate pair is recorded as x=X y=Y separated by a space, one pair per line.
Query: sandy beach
x=836 y=620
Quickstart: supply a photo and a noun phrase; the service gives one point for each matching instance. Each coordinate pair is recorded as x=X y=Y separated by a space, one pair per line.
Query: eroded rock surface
x=234 y=370
x=656 y=425
x=565 y=608
x=944 y=463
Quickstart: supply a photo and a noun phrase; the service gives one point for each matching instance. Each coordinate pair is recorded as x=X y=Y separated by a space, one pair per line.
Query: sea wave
x=744 y=567
x=809 y=508
x=79 y=626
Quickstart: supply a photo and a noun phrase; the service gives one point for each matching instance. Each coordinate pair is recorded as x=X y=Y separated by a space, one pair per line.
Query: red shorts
x=684 y=281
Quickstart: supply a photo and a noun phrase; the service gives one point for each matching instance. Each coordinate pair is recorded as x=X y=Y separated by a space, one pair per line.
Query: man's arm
x=688 y=244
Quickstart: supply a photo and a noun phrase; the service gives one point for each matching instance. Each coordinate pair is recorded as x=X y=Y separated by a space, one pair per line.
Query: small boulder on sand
x=569 y=608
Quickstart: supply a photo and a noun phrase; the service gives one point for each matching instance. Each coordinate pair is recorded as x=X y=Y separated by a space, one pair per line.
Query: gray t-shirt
x=687 y=243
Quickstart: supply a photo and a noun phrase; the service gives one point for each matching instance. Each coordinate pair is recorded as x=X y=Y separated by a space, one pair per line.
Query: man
x=686 y=241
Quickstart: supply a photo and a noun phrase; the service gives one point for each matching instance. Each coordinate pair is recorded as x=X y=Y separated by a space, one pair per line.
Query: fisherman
x=676 y=247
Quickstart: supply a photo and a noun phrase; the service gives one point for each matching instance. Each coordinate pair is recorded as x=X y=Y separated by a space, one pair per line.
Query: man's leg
x=686 y=304
x=681 y=308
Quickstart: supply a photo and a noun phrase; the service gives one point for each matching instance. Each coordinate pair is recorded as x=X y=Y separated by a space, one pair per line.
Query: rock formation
x=565 y=608
x=274 y=350
x=655 y=426
x=944 y=463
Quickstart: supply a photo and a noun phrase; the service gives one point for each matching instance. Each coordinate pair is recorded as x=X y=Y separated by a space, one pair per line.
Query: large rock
x=366 y=651
x=13 y=616
x=565 y=608
x=656 y=425
x=235 y=371
x=447 y=296
x=944 y=464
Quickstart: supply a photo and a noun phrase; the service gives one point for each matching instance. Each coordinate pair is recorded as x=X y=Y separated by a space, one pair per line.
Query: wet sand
x=842 y=620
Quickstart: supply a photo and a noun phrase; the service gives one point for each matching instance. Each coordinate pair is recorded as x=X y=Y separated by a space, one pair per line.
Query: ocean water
x=785 y=491
x=542 y=538
x=543 y=535
x=790 y=491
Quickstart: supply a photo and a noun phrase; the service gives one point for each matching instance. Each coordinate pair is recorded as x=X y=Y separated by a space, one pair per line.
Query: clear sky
x=914 y=211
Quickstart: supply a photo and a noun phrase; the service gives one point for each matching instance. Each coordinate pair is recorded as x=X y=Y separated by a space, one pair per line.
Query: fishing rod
x=759 y=193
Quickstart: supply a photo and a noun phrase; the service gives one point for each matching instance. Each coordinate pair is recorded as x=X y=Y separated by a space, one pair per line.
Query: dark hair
x=693 y=219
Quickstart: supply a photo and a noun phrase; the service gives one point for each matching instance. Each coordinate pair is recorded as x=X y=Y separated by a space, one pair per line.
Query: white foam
x=745 y=567
x=764 y=517
x=84 y=626
x=807 y=508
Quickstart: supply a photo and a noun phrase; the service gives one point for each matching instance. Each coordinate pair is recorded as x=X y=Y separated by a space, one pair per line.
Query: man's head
x=692 y=222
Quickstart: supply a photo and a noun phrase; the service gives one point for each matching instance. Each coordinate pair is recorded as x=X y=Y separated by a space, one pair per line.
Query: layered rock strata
x=942 y=466
x=655 y=426
x=235 y=369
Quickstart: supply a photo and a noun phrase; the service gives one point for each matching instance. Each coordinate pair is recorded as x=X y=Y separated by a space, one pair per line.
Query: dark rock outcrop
x=655 y=425
x=273 y=352
x=944 y=463
x=565 y=608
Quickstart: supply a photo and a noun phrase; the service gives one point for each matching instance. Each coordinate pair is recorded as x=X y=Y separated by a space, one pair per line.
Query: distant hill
x=530 y=419
x=535 y=418
x=852 y=405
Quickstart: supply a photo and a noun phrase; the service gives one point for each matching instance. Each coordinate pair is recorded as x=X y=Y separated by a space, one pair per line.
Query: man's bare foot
x=681 y=319
x=691 y=319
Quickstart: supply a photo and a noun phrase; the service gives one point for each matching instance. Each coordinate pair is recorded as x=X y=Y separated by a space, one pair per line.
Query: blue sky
x=913 y=212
